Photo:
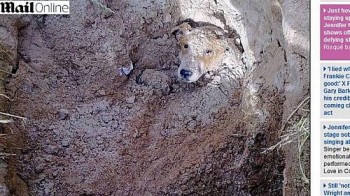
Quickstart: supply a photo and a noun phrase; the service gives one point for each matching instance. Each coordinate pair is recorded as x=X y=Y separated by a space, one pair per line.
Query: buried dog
x=204 y=48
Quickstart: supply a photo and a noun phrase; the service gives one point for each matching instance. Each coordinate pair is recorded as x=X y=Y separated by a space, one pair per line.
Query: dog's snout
x=185 y=73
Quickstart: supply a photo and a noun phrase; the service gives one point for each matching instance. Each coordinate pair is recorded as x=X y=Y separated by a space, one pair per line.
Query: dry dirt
x=91 y=131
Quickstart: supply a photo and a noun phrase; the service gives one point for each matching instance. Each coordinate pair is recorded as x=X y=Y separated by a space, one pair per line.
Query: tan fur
x=209 y=60
x=205 y=49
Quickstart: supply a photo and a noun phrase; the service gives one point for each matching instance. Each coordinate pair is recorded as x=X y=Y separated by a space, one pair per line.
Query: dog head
x=202 y=49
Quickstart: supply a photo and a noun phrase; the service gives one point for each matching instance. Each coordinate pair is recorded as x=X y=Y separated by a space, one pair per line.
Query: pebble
x=55 y=173
x=101 y=92
x=107 y=118
x=167 y=18
x=99 y=140
x=65 y=143
x=131 y=100
x=48 y=188
x=63 y=114
x=191 y=125
x=85 y=151
x=174 y=88
x=51 y=149
x=136 y=135
x=39 y=168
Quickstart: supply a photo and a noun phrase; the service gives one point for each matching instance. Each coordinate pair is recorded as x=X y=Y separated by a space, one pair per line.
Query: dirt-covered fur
x=203 y=48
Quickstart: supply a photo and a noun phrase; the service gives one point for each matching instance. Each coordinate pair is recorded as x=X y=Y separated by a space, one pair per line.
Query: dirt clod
x=159 y=81
x=63 y=114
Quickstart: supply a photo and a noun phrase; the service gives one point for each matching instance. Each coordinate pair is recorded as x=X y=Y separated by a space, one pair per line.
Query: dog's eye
x=186 y=46
x=208 y=51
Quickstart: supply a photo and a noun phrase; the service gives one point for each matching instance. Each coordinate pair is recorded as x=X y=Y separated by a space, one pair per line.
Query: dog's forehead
x=199 y=41
x=203 y=33
x=197 y=37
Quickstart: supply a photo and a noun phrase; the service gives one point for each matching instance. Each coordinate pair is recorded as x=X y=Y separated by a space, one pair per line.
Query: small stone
x=174 y=88
x=99 y=140
x=101 y=92
x=55 y=173
x=4 y=190
x=158 y=92
x=39 y=168
x=63 y=114
x=216 y=80
x=106 y=118
x=167 y=18
x=166 y=37
x=55 y=131
x=191 y=125
x=65 y=143
x=208 y=76
x=51 y=149
x=85 y=151
x=136 y=135
x=48 y=188
x=131 y=100
x=48 y=158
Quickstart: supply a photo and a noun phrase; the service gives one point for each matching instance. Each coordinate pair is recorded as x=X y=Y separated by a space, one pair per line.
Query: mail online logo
x=34 y=7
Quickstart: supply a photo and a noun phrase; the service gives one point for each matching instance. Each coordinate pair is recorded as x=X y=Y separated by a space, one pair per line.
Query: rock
x=175 y=88
x=48 y=188
x=130 y=100
x=65 y=143
x=167 y=18
x=51 y=149
x=63 y=114
x=99 y=140
x=39 y=168
x=191 y=125
x=55 y=173
x=85 y=151
x=101 y=92
x=3 y=189
x=106 y=118
x=136 y=134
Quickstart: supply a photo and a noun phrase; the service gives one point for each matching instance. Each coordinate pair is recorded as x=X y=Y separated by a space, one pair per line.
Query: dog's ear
x=219 y=33
x=214 y=32
x=181 y=30
x=190 y=22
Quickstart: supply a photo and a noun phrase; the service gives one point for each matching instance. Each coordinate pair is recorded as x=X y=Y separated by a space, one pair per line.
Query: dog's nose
x=185 y=73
